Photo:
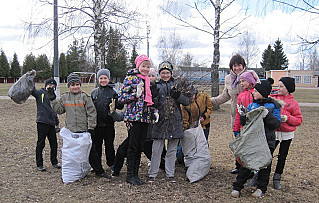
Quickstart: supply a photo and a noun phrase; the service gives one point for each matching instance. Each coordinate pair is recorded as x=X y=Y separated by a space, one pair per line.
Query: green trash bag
x=250 y=147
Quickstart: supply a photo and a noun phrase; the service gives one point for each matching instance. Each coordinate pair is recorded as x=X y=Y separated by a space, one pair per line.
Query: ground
x=21 y=182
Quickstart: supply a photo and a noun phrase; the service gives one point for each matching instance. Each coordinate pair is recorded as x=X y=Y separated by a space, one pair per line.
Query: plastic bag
x=75 y=155
x=196 y=153
x=20 y=91
x=250 y=147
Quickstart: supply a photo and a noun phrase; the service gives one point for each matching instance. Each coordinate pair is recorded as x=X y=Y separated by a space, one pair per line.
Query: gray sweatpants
x=157 y=148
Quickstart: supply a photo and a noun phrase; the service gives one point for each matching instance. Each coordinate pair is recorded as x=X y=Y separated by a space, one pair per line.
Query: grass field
x=301 y=94
x=21 y=182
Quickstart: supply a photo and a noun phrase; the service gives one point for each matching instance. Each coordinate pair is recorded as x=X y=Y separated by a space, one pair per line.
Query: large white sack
x=75 y=155
x=196 y=153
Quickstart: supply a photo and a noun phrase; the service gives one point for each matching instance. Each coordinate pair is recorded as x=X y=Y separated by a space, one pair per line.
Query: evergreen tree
x=268 y=58
x=72 y=58
x=43 y=67
x=4 y=65
x=63 y=69
x=280 y=58
x=133 y=57
x=29 y=63
x=15 y=70
x=116 y=57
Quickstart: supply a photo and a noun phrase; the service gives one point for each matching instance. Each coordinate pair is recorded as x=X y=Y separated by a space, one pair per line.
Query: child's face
x=282 y=90
x=49 y=86
x=237 y=68
x=152 y=78
x=165 y=75
x=75 y=87
x=244 y=84
x=257 y=95
x=144 y=68
x=104 y=80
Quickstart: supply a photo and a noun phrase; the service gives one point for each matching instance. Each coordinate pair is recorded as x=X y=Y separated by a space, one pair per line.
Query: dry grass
x=21 y=182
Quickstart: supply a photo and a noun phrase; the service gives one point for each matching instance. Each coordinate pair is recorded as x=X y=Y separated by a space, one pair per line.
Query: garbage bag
x=250 y=147
x=20 y=91
x=196 y=153
x=75 y=155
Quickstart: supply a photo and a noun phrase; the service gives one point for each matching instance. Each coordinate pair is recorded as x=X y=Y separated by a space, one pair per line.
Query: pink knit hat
x=249 y=77
x=140 y=59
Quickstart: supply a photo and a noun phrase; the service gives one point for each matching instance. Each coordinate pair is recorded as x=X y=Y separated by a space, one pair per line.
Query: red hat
x=140 y=59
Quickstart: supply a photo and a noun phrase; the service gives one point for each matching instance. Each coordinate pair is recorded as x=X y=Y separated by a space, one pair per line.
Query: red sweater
x=292 y=110
x=244 y=98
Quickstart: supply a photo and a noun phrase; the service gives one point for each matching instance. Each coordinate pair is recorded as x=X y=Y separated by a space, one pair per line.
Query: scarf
x=148 y=94
x=234 y=78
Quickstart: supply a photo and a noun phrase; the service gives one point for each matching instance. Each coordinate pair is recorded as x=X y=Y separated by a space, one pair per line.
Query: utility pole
x=148 y=43
x=56 y=51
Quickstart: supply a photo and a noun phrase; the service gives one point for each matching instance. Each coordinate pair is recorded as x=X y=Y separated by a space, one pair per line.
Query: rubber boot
x=276 y=181
x=136 y=168
x=253 y=181
x=130 y=178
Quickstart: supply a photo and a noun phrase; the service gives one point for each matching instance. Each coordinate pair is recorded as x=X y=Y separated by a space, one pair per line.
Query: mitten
x=175 y=93
x=236 y=133
x=156 y=117
x=264 y=113
x=140 y=89
x=51 y=93
x=284 y=118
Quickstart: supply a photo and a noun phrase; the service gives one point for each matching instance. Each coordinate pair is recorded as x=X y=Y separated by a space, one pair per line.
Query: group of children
x=151 y=106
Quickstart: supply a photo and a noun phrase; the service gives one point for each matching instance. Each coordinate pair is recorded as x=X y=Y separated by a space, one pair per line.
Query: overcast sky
x=267 y=26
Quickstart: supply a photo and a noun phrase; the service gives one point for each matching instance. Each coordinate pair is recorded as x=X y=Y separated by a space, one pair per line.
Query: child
x=247 y=82
x=80 y=115
x=47 y=119
x=272 y=120
x=102 y=97
x=136 y=93
x=290 y=118
x=170 y=125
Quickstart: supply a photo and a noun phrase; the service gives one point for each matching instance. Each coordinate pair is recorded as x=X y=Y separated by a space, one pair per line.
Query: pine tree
x=4 y=65
x=280 y=58
x=268 y=58
x=63 y=69
x=43 y=67
x=29 y=63
x=72 y=57
x=15 y=70
x=133 y=57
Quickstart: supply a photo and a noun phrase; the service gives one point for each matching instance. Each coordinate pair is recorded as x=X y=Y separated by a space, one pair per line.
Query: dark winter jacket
x=170 y=124
x=45 y=113
x=102 y=97
x=136 y=107
x=271 y=122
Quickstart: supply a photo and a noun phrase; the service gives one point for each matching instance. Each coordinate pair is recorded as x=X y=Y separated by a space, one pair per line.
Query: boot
x=136 y=168
x=130 y=178
x=253 y=181
x=276 y=181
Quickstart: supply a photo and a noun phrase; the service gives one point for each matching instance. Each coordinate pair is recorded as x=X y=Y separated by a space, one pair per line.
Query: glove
x=140 y=89
x=154 y=90
x=175 y=93
x=156 y=117
x=112 y=106
x=51 y=93
x=236 y=133
x=241 y=110
x=284 y=118
x=264 y=113
x=92 y=132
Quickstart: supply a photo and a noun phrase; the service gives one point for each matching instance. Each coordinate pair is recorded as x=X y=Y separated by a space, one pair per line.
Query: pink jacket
x=292 y=110
x=243 y=98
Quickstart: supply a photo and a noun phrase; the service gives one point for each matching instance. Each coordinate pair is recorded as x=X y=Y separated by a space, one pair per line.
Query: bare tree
x=88 y=17
x=219 y=30
x=248 y=48
x=313 y=60
x=187 y=59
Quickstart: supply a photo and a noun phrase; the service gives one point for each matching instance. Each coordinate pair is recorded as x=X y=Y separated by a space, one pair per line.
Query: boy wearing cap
x=272 y=121
x=47 y=119
x=290 y=118
x=102 y=97
x=80 y=115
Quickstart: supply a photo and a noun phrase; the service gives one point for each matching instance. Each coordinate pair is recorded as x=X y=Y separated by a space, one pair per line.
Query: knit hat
x=249 y=77
x=153 y=72
x=271 y=81
x=73 y=77
x=50 y=81
x=263 y=87
x=165 y=65
x=289 y=83
x=103 y=72
x=140 y=59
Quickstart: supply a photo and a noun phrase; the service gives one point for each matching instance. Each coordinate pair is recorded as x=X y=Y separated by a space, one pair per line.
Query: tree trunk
x=215 y=64
x=98 y=35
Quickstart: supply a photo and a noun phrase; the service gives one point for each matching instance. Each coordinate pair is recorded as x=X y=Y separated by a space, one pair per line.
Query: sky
x=265 y=25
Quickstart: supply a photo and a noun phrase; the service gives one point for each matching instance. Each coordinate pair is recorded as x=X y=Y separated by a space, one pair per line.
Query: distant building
x=303 y=78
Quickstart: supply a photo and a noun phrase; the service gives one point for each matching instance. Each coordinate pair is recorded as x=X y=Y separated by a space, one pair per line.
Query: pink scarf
x=148 y=94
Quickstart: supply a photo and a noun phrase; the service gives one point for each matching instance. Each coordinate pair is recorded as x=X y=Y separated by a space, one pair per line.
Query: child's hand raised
x=140 y=89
